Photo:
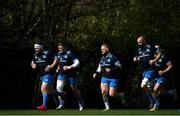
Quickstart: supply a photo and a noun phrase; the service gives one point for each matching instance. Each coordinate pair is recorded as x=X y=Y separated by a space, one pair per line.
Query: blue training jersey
x=145 y=54
x=66 y=59
x=42 y=60
x=111 y=62
x=162 y=62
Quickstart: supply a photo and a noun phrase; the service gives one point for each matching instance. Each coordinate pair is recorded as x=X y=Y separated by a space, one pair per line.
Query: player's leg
x=104 y=92
x=44 y=96
x=113 y=90
x=45 y=89
x=73 y=84
x=148 y=92
x=59 y=87
x=156 y=97
x=147 y=84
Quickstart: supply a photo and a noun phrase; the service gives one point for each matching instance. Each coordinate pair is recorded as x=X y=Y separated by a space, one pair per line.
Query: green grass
x=90 y=112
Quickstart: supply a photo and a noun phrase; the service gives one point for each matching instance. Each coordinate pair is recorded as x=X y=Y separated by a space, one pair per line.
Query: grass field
x=90 y=112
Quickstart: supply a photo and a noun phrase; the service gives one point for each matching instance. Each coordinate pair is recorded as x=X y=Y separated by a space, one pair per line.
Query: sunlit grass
x=90 y=112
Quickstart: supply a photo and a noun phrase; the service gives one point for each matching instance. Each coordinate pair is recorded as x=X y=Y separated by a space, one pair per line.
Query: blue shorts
x=150 y=74
x=47 y=78
x=71 y=80
x=109 y=82
x=160 y=80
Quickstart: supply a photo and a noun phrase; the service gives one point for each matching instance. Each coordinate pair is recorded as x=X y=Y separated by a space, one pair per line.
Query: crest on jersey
x=160 y=60
x=65 y=56
x=44 y=56
x=147 y=50
x=108 y=60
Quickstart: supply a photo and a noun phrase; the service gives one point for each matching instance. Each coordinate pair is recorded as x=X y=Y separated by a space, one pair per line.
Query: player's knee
x=59 y=89
x=144 y=82
x=43 y=89
x=142 y=85
x=60 y=86
x=104 y=93
x=156 y=89
x=112 y=94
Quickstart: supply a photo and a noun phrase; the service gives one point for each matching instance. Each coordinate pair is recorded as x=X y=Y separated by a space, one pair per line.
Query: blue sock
x=61 y=101
x=150 y=98
x=157 y=101
x=45 y=99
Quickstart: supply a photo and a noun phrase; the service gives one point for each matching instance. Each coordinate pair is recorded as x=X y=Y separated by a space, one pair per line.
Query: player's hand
x=33 y=66
x=67 y=67
x=57 y=70
x=135 y=59
x=94 y=75
x=151 y=62
x=108 y=70
x=48 y=67
x=160 y=72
